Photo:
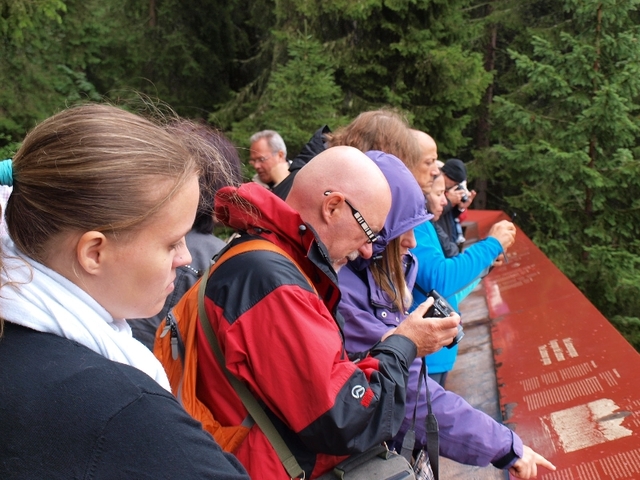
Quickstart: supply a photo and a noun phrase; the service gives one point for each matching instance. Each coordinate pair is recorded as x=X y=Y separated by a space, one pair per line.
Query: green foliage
x=630 y=329
x=42 y=70
x=187 y=55
x=20 y=17
x=416 y=56
x=300 y=97
x=566 y=158
x=8 y=150
x=565 y=78
x=56 y=53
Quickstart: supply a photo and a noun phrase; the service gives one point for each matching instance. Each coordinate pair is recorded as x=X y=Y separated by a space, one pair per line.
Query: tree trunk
x=483 y=131
x=153 y=18
x=593 y=142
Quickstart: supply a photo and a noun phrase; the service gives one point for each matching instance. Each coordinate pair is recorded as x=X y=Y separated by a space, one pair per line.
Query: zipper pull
x=172 y=326
x=174 y=347
x=166 y=329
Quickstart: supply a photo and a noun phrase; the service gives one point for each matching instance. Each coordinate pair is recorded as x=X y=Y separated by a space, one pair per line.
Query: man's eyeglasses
x=260 y=159
x=373 y=237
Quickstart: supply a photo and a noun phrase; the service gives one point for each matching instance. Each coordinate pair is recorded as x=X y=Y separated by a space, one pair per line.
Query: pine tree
x=506 y=24
x=412 y=55
x=301 y=96
x=39 y=75
x=416 y=56
x=568 y=152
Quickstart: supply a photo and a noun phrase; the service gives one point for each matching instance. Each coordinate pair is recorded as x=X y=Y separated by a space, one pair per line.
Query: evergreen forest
x=538 y=97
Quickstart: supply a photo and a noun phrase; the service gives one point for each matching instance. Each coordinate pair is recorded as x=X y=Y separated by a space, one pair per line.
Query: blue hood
x=407 y=202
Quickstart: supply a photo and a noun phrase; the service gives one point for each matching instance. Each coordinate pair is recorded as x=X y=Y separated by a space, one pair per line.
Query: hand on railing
x=505 y=232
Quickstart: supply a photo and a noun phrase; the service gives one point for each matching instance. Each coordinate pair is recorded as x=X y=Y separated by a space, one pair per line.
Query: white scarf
x=43 y=300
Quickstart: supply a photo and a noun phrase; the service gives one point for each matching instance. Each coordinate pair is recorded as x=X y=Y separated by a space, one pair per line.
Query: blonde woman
x=101 y=202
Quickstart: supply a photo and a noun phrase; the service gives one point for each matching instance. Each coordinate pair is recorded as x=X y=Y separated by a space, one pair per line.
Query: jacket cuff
x=514 y=454
x=400 y=345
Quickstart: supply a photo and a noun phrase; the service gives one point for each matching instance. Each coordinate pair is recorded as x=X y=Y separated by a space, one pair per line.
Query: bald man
x=428 y=168
x=449 y=275
x=274 y=314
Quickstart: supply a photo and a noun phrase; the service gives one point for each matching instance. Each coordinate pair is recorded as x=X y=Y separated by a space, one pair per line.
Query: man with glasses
x=275 y=317
x=268 y=156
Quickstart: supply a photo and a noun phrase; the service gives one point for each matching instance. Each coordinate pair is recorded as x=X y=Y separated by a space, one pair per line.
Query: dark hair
x=220 y=164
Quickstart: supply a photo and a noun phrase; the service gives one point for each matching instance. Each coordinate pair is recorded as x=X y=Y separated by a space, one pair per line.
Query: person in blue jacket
x=449 y=276
x=375 y=295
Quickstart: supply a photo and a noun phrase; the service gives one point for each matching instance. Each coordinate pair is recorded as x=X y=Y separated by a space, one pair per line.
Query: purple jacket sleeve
x=466 y=434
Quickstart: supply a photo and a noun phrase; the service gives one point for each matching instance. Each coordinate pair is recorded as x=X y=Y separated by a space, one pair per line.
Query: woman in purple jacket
x=376 y=294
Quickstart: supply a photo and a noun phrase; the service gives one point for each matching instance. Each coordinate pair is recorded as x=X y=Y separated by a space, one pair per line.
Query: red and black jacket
x=282 y=337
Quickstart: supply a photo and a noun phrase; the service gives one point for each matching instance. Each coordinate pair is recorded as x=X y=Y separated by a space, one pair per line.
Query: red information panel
x=568 y=381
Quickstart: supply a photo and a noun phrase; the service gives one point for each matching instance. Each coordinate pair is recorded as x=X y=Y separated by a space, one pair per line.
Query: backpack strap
x=248 y=399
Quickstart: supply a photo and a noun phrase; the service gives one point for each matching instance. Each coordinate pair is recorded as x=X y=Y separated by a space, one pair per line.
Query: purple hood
x=407 y=203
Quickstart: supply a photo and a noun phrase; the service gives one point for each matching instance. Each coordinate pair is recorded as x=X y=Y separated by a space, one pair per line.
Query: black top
x=68 y=412
x=447 y=222
x=449 y=247
x=314 y=146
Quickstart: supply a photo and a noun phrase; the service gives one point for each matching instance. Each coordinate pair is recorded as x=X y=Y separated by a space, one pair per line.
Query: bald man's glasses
x=361 y=221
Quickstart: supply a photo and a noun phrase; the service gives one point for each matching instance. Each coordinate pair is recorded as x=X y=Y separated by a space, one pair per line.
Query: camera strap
x=431 y=424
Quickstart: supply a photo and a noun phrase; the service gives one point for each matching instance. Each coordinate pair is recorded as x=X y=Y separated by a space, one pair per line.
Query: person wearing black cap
x=459 y=198
x=455 y=170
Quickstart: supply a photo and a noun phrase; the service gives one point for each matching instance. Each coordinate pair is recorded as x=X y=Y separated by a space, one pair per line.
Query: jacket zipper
x=172 y=326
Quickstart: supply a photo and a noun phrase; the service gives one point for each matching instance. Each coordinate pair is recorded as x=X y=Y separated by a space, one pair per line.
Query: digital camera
x=442 y=309
x=465 y=197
